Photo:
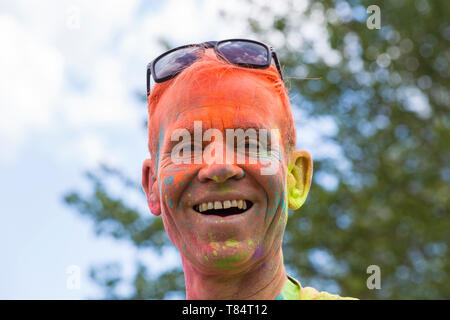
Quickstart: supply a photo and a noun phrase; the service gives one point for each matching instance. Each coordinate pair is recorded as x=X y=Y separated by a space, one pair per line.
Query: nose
x=220 y=173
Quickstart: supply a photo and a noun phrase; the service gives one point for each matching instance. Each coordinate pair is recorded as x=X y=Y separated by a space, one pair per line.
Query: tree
x=387 y=92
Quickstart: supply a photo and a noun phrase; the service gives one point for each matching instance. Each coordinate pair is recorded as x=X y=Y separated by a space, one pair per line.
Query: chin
x=219 y=256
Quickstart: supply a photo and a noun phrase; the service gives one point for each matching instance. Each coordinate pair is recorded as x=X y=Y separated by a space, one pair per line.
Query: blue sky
x=70 y=70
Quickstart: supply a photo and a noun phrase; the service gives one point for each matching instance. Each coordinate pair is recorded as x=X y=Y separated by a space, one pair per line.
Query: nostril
x=220 y=173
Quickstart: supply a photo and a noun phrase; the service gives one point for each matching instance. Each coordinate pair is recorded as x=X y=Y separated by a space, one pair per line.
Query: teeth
x=241 y=204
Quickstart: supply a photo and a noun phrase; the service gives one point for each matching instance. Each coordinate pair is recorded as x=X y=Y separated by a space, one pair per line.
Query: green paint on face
x=215 y=245
x=232 y=243
x=224 y=264
x=224 y=188
x=216 y=179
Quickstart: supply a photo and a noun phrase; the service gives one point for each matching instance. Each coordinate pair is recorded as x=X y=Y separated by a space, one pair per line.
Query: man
x=226 y=217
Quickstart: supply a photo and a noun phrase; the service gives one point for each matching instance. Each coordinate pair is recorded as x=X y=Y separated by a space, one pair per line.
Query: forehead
x=227 y=102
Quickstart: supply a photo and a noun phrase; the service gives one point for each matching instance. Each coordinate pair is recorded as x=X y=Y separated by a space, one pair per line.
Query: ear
x=150 y=186
x=299 y=177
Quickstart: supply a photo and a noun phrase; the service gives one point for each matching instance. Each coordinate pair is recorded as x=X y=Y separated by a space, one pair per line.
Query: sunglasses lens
x=244 y=52
x=176 y=61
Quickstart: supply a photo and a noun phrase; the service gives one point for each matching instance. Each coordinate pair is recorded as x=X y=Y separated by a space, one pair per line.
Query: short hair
x=209 y=69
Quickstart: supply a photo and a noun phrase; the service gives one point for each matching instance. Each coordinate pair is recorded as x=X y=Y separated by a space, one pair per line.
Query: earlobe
x=150 y=186
x=299 y=178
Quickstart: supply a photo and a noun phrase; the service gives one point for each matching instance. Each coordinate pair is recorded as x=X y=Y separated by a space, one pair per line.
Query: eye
x=251 y=146
x=188 y=149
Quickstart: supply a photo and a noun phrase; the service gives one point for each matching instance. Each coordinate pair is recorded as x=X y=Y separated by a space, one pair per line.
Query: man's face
x=221 y=240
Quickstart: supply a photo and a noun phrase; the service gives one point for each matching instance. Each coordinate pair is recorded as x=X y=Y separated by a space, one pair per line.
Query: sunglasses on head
x=242 y=52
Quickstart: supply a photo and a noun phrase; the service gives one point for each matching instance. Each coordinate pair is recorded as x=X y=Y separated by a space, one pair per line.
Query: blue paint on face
x=283 y=203
x=170 y=203
x=160 y=143
x=168 y=180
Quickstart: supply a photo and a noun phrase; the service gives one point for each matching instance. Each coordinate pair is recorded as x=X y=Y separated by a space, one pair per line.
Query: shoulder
x=308 y=293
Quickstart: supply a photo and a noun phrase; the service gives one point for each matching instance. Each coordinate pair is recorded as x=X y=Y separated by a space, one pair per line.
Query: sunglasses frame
x=212 y=44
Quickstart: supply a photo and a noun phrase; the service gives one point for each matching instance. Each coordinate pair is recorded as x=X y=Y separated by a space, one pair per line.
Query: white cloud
x=105 y=102
x=31 y=77
x=88 y=150
x=39 y=55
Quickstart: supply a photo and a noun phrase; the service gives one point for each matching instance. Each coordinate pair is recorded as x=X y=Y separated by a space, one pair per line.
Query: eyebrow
x=245 y=126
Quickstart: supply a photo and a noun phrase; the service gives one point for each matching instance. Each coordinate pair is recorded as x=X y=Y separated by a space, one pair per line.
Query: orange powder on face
x=203 y=75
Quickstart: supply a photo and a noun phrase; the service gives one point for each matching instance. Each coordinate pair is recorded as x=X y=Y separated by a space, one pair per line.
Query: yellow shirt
x=292 y=290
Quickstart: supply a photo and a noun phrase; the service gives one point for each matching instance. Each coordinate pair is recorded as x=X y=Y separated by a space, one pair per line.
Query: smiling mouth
x=223 y=208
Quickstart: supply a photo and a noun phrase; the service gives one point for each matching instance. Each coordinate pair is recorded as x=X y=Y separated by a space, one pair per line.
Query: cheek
x=173 y=181
x=274 y=186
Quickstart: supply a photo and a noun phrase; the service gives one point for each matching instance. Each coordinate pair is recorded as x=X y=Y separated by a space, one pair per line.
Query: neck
x=261 y=282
